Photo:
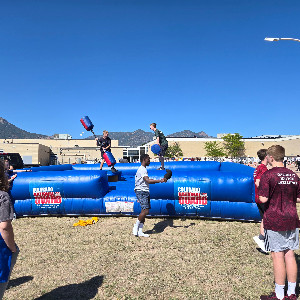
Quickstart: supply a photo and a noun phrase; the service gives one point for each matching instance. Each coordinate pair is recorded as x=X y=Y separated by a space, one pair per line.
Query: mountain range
x=131 y=139
x=10 y=131
x=140 y=137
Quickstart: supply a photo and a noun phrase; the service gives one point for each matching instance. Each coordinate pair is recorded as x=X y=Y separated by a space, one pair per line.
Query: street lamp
x=279 y=39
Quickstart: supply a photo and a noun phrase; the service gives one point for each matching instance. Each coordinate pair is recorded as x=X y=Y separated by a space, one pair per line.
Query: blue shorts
x=144 y=199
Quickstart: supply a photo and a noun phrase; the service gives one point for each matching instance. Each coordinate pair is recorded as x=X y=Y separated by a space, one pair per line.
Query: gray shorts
x=144 y=199
x=278 y=241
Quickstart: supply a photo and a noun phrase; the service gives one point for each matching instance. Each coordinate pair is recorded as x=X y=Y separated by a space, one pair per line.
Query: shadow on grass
x=162 y=225
x=18 y=281
x=298 y=273
x=262 y=252
x=81 y=291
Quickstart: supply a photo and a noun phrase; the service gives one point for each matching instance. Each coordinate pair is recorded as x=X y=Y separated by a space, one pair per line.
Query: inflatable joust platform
x=197 y=189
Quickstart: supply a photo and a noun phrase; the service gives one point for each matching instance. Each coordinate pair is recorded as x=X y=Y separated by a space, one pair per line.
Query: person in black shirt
x=104 y=143
x=162 y=142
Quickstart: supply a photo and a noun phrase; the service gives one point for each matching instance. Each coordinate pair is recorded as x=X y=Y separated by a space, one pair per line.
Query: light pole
x=279 y=39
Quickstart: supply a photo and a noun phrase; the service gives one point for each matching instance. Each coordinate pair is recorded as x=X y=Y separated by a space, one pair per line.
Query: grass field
x=183 y=259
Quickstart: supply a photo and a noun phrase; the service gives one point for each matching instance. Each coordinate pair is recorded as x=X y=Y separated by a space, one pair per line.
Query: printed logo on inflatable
x=191 y=197
x=46 y=195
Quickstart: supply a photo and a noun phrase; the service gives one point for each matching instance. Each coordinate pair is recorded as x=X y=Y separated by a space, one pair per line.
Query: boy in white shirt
x=142 y=192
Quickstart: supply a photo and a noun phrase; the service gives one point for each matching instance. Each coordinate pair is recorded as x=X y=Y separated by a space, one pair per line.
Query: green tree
x=214 y=149
x=234 y=145
x=174 y=150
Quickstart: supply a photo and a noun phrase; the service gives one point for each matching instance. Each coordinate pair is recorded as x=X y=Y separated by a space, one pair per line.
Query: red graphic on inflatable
x=191 y=196
x=46 y=196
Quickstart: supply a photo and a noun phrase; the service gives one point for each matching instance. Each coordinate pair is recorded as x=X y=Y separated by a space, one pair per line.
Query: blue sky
x=198 y=65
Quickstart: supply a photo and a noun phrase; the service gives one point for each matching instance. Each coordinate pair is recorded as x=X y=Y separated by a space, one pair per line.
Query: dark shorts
x=144 y=199
x=163 y=149
x=261 y=208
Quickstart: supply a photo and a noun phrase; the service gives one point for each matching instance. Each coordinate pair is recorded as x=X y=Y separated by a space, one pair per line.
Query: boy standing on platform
x=162 y=142
x=142 y=192
x=261 y=169
x=279 y=188
x=105 y=146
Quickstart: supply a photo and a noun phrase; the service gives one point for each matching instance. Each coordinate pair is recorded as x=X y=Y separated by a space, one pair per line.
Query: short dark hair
x=262 y=153
x=143 y=157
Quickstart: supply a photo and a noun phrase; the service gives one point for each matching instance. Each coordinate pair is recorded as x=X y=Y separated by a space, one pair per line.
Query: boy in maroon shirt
x=279 y=188
x=261 y=169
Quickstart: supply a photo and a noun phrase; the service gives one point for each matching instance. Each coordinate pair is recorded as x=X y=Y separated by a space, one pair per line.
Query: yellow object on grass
x=91 y=221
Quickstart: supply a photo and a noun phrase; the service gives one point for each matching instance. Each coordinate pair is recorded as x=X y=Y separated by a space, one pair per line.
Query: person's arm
x=157 y=136
x=11 y=179
x=152 y=181
x=263 y=188
x=7 y=234
x=298 y=192
x=109 y=145
x=263 y=199
x=257 y=181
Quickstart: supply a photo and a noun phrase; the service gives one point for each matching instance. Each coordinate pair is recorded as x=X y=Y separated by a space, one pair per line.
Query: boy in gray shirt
x=142 y=192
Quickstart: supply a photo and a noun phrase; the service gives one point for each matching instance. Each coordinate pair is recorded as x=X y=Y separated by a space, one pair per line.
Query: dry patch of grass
x=183 y=259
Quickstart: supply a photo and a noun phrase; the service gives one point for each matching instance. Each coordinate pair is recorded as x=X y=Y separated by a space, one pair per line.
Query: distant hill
x=189 y=134
x=141 y=137
x=10 y=131
x=133 y=139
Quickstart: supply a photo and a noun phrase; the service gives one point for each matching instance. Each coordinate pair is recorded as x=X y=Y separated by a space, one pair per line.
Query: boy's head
x=145 y=159
x=153 y=126
x=276 y=152
x=262 y=154
x=105 y=133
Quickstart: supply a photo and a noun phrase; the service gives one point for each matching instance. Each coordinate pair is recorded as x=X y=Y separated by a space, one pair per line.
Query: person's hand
x=14 y=249
x=13 y=177
x=163 y=180
x=96 y=139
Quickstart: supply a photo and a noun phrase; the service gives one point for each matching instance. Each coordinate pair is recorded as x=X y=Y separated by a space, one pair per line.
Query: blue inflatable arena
x=197 y=189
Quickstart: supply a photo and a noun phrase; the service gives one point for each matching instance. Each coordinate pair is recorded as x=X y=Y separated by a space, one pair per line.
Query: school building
x=65 y=151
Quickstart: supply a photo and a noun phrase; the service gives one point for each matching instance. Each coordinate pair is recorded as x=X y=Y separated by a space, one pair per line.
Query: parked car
x=15 y=159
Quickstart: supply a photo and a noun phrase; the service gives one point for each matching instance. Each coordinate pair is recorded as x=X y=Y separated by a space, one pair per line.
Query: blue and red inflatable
x=197 y=189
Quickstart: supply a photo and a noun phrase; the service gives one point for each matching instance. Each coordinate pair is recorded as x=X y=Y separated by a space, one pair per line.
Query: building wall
x=67 y=151
x=71 y=151
x=194 y=147
x=79 y=154
x=40 y=154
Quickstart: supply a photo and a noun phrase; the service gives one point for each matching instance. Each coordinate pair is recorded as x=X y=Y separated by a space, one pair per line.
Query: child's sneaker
x=135 y=230
x=260 y=243
x=114 y=170
x=270 y=297
x=142 y=234
x=291 y=297
x=273 y=297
